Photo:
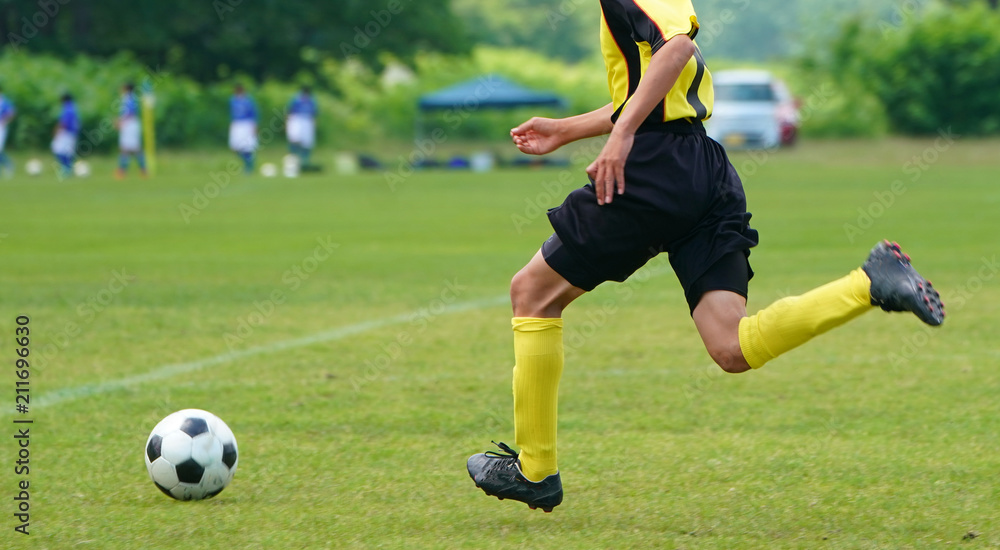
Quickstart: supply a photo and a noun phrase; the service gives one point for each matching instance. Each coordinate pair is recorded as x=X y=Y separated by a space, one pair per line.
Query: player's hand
x=608 y=169
x=537 y=136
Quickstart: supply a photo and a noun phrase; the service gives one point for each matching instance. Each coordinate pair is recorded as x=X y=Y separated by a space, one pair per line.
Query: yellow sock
x=791 y=322
x=538 y=365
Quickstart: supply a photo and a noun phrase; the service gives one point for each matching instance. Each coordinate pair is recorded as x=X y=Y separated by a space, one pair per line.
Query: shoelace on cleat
x=507 y=451
x=507 y=459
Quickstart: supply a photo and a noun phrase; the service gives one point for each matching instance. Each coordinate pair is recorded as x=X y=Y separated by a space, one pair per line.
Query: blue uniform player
x=243 y=127
x=7 y=113
x=64 y=137
x=129 y=132
x=300 y=127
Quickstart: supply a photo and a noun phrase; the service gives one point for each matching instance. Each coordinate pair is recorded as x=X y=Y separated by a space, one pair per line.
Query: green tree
x=931 y=71
x=941 y=70
x=564 y=29
x=212 y=39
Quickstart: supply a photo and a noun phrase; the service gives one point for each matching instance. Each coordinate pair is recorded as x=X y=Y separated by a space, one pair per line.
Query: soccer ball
x=81 y=168
x=191 y=455
x=34 y=167
x=268 y=170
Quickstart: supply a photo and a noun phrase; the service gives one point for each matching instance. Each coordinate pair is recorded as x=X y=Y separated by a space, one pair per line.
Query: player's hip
x=683 y=175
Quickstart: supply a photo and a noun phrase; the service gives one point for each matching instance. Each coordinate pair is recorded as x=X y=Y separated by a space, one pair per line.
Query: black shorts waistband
x=679 y=126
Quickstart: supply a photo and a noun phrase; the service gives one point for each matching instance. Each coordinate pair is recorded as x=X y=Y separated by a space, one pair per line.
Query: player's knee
x=521 y=288
x=729 y=357
x=526 y=298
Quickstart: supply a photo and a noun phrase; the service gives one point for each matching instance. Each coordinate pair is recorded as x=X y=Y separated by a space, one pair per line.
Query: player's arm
x=608 y=170
x=540 y=135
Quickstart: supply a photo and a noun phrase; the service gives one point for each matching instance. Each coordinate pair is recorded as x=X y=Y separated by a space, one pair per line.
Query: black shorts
x=682 y=196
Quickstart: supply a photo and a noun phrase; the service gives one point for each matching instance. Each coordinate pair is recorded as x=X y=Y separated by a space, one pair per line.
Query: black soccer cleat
x=499 y=475
x=896 y=286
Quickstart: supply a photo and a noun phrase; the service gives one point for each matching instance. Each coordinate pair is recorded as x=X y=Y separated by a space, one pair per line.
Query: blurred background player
x=7 y=113
x=243 y=127
x=64 y=137
x=129 y=133
x=300 y=126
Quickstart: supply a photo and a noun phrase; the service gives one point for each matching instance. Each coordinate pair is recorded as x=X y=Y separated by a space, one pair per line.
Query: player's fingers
x=522 y=128
x=608 y=177
x=620 y=178
x=598 y=178
x=603 y=185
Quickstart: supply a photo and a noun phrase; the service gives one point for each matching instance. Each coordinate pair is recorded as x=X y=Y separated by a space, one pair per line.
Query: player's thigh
x=537 y=290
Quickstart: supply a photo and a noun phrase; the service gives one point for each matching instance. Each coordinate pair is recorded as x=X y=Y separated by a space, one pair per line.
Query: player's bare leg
x=538 y=291
x=717 y=318
x=538 y=296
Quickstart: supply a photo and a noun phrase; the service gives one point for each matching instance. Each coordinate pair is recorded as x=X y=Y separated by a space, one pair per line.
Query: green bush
x=377 y=112
x=186 y=113
x=934 y=70
x=941 y=70
x=360 y=110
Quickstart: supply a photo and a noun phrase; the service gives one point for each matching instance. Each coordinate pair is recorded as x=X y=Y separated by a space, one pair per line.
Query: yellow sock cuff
x=861 y=286
x=535 y=336
x=752 y=345
x=534 y=324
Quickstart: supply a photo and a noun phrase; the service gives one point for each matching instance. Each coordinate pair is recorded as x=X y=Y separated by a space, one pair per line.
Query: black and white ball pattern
x=191 y=455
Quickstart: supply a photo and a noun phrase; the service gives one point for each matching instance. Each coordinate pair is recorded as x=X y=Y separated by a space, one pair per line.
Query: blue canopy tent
x=485 y=92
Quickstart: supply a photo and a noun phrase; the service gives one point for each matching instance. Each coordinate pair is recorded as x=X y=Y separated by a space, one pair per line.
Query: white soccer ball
x=191 y=455
x=268 y=170
x=34 y=167
x=81 y=168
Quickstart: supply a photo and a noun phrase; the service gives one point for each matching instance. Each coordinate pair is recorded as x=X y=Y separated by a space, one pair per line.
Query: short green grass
x=879 y=435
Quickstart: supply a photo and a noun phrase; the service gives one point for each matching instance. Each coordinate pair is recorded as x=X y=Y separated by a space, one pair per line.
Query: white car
x=753 y=110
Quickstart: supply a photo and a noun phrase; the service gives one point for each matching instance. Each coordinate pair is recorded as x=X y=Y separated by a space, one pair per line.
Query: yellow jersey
x=631 y=32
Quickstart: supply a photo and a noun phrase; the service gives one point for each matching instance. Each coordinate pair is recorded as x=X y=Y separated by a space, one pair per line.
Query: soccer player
x=7 y=113
x=300 y=126
x=243 y=127
x=64 y=137
x=129 y=133
x=658 y=185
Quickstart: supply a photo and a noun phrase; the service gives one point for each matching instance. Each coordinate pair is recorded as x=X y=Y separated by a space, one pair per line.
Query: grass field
x=356 y=339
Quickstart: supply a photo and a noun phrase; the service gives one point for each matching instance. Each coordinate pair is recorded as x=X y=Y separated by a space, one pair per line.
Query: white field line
x=174 y=369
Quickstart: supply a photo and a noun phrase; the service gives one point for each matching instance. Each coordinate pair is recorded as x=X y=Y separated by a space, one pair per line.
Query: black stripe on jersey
x=692 y=95
x=646 y=30
x=617 y=20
